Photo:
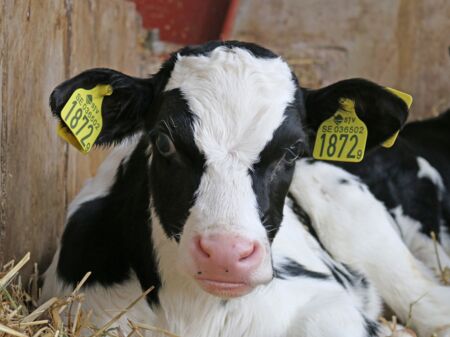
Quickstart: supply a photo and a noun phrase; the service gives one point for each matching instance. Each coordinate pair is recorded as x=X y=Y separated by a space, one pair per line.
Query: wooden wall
x=400 y=43
x=43 y=43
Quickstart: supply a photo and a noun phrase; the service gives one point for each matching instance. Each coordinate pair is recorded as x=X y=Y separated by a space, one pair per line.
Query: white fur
x=359 y=231
x=420 y=245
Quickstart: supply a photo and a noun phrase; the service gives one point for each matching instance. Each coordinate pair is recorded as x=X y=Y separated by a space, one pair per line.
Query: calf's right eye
x=165 y=145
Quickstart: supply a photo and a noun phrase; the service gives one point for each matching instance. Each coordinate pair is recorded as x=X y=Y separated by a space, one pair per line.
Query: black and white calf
x=207 y=200
x=413 y=180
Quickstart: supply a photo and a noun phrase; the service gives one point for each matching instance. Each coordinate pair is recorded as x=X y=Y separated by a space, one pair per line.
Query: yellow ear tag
x=82 y=117
x=65 y=134
x=342 y=137
x=408 y=100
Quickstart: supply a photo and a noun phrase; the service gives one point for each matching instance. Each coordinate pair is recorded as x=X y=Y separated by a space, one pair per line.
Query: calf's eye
x=165 y=145
x=293 y=152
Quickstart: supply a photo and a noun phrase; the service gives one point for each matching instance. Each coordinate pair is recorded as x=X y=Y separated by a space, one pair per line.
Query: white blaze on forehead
x=238 y=99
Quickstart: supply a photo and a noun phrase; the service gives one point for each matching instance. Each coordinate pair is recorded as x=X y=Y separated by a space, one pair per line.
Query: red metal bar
x=228 y=24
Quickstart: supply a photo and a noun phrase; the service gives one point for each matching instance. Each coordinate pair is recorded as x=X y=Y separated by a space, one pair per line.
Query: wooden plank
x=3 y=55
x=33 y=181
x=400 y=43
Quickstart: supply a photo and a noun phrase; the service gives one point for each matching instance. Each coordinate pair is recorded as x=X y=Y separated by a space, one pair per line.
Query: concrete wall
x=399 y=43
x=43 y=43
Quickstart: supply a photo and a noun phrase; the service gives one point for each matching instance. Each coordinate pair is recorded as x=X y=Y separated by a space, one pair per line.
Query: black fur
x=290 y=268
x=205 y=49
x=303 y=217
x=372 y=327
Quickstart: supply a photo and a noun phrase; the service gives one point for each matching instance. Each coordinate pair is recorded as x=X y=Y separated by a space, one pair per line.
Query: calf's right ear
x=124 y=111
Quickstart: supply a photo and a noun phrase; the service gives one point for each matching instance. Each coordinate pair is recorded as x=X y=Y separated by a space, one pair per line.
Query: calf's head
x=226 y=122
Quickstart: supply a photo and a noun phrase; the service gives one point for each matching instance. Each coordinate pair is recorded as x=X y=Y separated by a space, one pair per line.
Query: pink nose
x=225 y=257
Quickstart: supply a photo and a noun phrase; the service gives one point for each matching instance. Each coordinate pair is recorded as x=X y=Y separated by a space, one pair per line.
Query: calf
x=194 y=201
x=412 y=179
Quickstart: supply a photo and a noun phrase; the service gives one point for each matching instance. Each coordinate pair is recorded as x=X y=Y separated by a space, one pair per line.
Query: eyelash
x=159 y=137
x=292 y=151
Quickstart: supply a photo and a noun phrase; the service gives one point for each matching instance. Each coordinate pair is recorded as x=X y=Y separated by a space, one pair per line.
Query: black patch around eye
x=174 y=179
x=272 y=174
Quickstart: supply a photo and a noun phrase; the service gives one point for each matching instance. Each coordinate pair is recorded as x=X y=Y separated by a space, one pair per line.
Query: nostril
x=248 y=252
x=203 y=248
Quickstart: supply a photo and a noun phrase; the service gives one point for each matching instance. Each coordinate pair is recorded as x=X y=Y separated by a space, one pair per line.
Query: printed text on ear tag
x=342 y=137
x=82 y=116
x=408 y=101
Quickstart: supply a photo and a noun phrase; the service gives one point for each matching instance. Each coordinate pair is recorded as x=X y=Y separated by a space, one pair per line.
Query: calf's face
x=225 y=143
x=226 y=122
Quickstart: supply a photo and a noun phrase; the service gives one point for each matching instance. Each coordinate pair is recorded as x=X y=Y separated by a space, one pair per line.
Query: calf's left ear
x=382 y=111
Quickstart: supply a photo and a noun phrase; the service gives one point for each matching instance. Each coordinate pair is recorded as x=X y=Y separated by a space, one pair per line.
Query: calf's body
x=412 y=179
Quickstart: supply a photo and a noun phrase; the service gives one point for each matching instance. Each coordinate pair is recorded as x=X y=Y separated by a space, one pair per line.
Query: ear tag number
x=408 y=100
x=82 y=117
x=342 y=137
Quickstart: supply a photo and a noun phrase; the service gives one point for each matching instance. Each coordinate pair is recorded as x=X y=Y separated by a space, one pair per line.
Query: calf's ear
x=124 y=108
x=382 y=111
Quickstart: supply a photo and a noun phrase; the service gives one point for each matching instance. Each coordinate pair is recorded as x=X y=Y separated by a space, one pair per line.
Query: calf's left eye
x=293 y=152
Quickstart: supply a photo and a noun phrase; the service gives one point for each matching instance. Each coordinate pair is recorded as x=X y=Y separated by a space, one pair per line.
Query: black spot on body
x=290 y=268
x=111 y=235
x=372 y=328
x=303 y=217
x=392 y=176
